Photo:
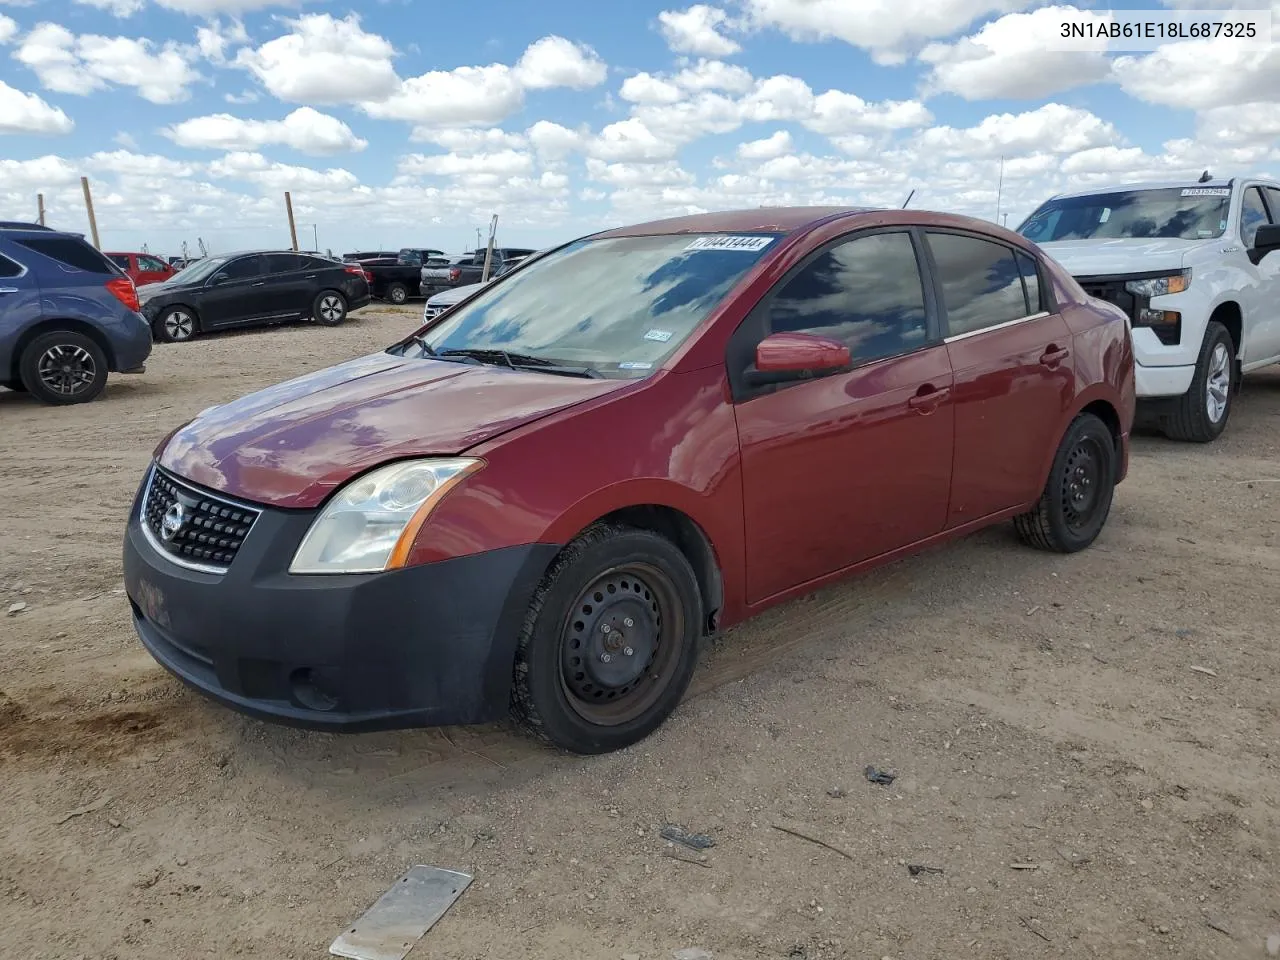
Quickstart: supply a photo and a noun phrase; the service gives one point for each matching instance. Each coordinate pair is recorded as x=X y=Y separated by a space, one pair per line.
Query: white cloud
x=556 y=62
x=698 y=31
x=305 y=130
x=715 y=75
x=248 y=96
x=8 y=28
x=773 y=146
x=837 y=112
x=127 y=140
x=1201 y=74
x=1053 y=127
x=886 y=27
x=1008 y=58
x=646 y=88
x=41 y=173
x=470 y=139
x=630 y=141
x=130 y=163
x=637 y=174
x=465 y=96
x=553 y=141
x=119 y=8
x=503 y=163
x=27 y=113
x=210 y=8
x=66 y=63
x=257 y=169
x=324 y=60
x=213 y=38
x=1242 y=124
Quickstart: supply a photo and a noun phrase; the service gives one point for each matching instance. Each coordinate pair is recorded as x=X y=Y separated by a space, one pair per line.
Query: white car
x=445 y=299
x=1195 y=268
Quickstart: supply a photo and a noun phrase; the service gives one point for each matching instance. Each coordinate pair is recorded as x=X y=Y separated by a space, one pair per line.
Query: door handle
x=928 y=397
x=1054 y=356
x=310 y=276
x=260 y=283
x=8 y=289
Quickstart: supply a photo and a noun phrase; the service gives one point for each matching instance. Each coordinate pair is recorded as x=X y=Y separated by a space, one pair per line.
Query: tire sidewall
x=1084 y=426
x=319 y=317
x=560 y=723
x=1214 y=334
x=398 y=293
x=29 y=367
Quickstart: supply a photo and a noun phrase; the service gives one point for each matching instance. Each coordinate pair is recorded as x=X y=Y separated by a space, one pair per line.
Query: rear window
x=70 y=252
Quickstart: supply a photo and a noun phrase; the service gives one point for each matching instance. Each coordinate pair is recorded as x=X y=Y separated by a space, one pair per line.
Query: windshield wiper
x=520 y=361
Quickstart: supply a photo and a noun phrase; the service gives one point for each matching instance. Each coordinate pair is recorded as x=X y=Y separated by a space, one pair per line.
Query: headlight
x=1160 y=286
x=370 y=525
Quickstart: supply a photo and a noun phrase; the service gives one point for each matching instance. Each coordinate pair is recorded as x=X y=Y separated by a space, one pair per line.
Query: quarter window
x=981 y=282
x=1252 y=215
x=865 y=292
x=8 y=268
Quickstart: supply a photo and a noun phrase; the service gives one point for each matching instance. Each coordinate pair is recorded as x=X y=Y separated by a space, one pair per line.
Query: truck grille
x=431 y=312
x=192 y=526
x=1110 y=289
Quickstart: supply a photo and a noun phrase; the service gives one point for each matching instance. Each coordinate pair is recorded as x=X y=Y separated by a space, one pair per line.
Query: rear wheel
x=63 y=367
x=1077 y=498
x=176 y=324
x=397 y=293
x=610 y=641
x=330 y=308
x=1200 y=414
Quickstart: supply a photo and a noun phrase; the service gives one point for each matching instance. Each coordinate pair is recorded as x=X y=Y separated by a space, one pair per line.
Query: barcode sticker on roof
x=1207 y=192
x=726 y=242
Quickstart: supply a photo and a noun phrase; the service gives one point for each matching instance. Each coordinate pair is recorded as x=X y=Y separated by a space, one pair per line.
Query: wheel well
x=1228 y=314
x=681 y=530
x=50 y=326
x=1107 y=414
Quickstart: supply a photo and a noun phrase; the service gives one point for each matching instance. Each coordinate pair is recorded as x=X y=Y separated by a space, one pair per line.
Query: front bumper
x=422 y=646
x=1162 y=381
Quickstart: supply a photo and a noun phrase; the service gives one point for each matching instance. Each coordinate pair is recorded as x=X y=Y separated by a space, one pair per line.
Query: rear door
x=1014 y=378
x=235 y=294
x=19 y=306
x=1261 y=302
x=290 y=287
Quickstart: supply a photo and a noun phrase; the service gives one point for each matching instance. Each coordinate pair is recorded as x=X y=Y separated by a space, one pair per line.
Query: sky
x=412 y=122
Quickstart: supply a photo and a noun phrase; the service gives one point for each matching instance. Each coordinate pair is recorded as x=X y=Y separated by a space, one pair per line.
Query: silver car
x=443 y=301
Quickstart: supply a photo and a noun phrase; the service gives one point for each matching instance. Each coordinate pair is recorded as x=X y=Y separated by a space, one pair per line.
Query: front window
x=1179 y=213
x=617 y=307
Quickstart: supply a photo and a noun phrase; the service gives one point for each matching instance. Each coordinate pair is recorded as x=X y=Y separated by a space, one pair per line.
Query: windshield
x=618 y=306
x=197 y=272
x=1180 y=213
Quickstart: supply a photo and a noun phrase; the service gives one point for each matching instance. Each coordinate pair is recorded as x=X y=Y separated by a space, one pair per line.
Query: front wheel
x=397 y=293
x=609 y=643
x=63 y=367
x=176 y=325
x=1077 y=498
x=330 y=308
x=1200 y=414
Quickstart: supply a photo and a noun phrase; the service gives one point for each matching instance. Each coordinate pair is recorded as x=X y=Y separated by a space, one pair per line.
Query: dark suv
x=68 y=316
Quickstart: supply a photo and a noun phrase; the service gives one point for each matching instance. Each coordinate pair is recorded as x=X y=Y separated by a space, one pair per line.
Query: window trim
x=1272 y=207
x=755 y=326
x=1048 y=304
x=22 y=267
x=1266 y=209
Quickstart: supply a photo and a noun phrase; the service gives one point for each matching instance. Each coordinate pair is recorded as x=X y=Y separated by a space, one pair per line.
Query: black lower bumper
x=422 y=646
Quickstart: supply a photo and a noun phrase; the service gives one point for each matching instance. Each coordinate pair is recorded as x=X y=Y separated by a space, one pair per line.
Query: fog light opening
x=309 y=690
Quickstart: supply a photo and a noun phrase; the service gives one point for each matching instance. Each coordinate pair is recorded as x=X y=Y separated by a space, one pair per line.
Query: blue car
x=68 y=316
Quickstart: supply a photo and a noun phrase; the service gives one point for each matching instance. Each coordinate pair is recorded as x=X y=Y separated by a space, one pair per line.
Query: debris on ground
x=1273 y=945
x=1027 y=922
x=16 y=608
x=692 y=953
x=685 y=856
x=390 y=928
x=881 y=777
x=678 y=834
x=94 y=807
x=812 y=839
x=1024 y=866
x=1206 y=671
x=915 y=869
x=836 y=793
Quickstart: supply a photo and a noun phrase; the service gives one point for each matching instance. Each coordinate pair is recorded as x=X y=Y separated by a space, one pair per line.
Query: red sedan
x=542 y=501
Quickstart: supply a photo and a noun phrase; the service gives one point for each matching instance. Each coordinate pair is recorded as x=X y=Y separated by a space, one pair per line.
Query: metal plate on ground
x=390 y=928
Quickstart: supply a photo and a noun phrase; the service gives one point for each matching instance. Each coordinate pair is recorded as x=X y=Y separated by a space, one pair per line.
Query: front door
x=1014 y=373
x=854 y=465
x=234 y=294
x=1260 y=301
x=151 y=270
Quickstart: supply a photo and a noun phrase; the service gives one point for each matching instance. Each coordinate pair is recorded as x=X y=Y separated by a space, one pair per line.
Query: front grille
x=193 y=526
x=432 y=312
x=1110 y=289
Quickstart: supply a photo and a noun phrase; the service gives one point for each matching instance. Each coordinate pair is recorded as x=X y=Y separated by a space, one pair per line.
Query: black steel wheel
x=63 y=367
x=330 y=308
x=1077 y=497
x=610 y=642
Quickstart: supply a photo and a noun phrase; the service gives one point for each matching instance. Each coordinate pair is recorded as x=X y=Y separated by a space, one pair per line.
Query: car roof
x=1159 y=185
x=757 y=220
x=22 y=226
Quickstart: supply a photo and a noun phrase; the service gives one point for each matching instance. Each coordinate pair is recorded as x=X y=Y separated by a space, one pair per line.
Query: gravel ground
x=1086 y=747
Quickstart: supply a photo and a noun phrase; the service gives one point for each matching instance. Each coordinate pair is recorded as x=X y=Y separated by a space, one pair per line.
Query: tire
x=63 y=367
x=574 y=684
x=330 y=308
x=176 y=325
x=1200 y=415
x=398 y=293
x=1077 y=497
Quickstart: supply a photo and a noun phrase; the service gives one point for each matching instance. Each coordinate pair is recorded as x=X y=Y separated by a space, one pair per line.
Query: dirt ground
x=1087 y=747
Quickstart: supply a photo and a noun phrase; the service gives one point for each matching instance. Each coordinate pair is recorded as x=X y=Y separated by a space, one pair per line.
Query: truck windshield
x=1180 y=213
x=619 y=306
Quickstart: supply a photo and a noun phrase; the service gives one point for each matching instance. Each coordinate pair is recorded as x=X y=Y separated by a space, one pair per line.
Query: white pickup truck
x=1196 y=266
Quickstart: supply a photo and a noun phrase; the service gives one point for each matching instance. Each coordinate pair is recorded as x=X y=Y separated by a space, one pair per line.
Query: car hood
x=149 y=291
x=292 y=444
x=1094 y=258
x=450 y=297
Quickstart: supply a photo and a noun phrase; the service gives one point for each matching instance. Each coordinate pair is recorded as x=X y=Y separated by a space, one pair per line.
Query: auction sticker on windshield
x=1207 y=192
x=725 y=242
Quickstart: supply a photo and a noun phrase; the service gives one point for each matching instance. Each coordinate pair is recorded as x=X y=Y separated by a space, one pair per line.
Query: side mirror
x=785 y=357
x=1266 y=240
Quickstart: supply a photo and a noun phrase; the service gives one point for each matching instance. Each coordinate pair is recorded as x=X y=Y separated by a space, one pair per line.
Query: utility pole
x=1000 y=188
x=488 y=251
x=293 y=227
x=88 y=202
x=40 y=207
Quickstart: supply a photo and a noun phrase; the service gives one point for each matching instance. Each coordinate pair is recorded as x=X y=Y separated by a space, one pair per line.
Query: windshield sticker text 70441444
x=726 y=242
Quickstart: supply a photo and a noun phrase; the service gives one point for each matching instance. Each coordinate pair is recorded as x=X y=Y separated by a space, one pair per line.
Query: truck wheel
x=330 y=308
x=63 y=367
x=609 y=643
x=1200 y=414
x=1077 y=497
x=397 y=293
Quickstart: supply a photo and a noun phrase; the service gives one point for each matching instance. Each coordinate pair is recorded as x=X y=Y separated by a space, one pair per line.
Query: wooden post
x=40 y=207
x=488 y=251
x=88 y=202
x=293 y=227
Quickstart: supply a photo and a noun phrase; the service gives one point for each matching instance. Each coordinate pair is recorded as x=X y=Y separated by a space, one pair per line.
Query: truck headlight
x=371 y=523
x=1160 y=286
